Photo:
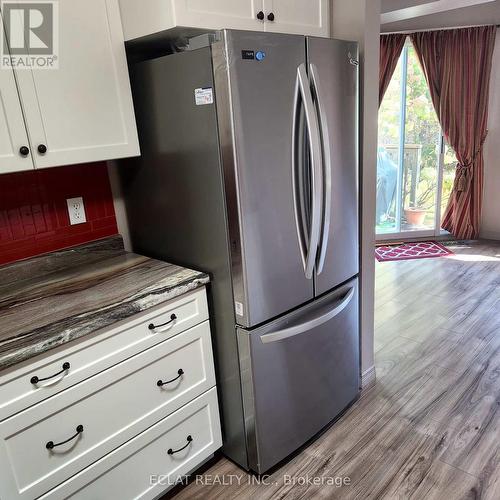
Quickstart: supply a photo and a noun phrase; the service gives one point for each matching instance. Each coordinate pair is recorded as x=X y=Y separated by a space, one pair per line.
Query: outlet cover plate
x=76 y=210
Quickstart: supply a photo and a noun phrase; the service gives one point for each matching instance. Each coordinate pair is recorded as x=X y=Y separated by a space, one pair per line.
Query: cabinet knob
x=24 y=150
x=260 y=15
x=42 y=149
x=270 y=16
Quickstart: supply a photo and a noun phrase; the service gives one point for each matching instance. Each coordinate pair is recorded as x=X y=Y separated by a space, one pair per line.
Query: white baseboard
x=368 y=378
x=489 y=235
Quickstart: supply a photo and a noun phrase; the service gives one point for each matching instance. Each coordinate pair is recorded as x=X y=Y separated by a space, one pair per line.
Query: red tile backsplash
x=33 y=211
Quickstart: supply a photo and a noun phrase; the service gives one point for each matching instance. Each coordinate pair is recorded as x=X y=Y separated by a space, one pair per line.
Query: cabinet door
x=13 y=134
x=83 y=110
x=304 y=17
x=218 y=14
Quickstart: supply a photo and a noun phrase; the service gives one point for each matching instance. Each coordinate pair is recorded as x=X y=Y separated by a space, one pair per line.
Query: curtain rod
x=409 y=32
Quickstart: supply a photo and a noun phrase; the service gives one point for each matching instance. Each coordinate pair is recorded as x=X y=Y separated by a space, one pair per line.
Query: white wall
x=360 y=20
x=119 y=204
x=490 y=221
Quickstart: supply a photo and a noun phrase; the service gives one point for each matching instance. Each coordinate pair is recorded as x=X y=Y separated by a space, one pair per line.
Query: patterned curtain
x=457 y=67
x=390 y=49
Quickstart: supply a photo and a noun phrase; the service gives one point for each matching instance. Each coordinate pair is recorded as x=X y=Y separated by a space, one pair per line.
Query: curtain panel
x=457 y=67
x=390 y=50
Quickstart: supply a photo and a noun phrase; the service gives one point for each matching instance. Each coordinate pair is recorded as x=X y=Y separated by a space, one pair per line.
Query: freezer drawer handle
x=180 y=373
x=50 y=444
x=152 y=326
x=189 y=439
x=65 y=367
x=309 y=325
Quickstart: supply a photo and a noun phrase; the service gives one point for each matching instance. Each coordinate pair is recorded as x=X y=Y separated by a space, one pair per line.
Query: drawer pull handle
x=188 y=439
x=50 y=444
x=34 y=380
x=152 y=326
x=180 y=373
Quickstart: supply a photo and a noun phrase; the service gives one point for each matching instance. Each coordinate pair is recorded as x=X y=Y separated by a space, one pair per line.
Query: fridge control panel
x=253 y=55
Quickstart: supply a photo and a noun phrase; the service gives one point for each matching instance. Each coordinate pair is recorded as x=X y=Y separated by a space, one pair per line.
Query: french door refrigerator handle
x=297 y=176
x=310 y=324
x=316 y=174
x=326 y=165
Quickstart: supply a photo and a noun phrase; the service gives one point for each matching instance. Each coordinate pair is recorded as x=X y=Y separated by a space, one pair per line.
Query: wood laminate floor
x=430 y=426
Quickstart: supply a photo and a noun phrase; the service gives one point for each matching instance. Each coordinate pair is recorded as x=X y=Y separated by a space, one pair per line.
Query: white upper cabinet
x=80 y=111
x=307 y=17
x=216 y=14
x=15 y=153
x=304 y=17
x=145 y=18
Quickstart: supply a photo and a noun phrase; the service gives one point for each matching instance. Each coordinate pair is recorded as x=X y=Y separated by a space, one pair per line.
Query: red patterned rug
x=405 y=251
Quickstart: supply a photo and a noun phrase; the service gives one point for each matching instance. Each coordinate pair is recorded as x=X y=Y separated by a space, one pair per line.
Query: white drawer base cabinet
x=109 y=435
x=143 y=468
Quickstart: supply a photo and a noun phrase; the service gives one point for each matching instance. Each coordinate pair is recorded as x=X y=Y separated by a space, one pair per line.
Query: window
x=415 y=169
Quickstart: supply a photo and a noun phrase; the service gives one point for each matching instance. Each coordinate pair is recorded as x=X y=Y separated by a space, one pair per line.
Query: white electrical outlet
x=76 y=210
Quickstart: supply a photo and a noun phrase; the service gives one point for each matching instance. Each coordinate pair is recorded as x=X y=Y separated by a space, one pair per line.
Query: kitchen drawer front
x=97 y=352
x=142 y=468
x=112 y=407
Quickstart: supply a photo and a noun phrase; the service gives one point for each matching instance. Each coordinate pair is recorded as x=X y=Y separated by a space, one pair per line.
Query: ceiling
x=402 y=15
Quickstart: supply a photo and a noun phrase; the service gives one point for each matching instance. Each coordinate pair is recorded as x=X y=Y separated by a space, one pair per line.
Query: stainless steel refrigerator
x=249 y=171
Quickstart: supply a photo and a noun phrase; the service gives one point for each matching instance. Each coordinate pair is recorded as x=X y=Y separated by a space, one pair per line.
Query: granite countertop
x=52 y=299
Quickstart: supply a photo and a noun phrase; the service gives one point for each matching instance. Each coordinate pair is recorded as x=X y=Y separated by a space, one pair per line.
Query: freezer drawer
x=298 y=373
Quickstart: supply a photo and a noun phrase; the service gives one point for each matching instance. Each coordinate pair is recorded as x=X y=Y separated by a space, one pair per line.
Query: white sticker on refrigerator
x=238 y=306
x=203 y=96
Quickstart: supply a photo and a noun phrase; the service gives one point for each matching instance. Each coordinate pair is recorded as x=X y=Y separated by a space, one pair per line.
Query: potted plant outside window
x=415 y=213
